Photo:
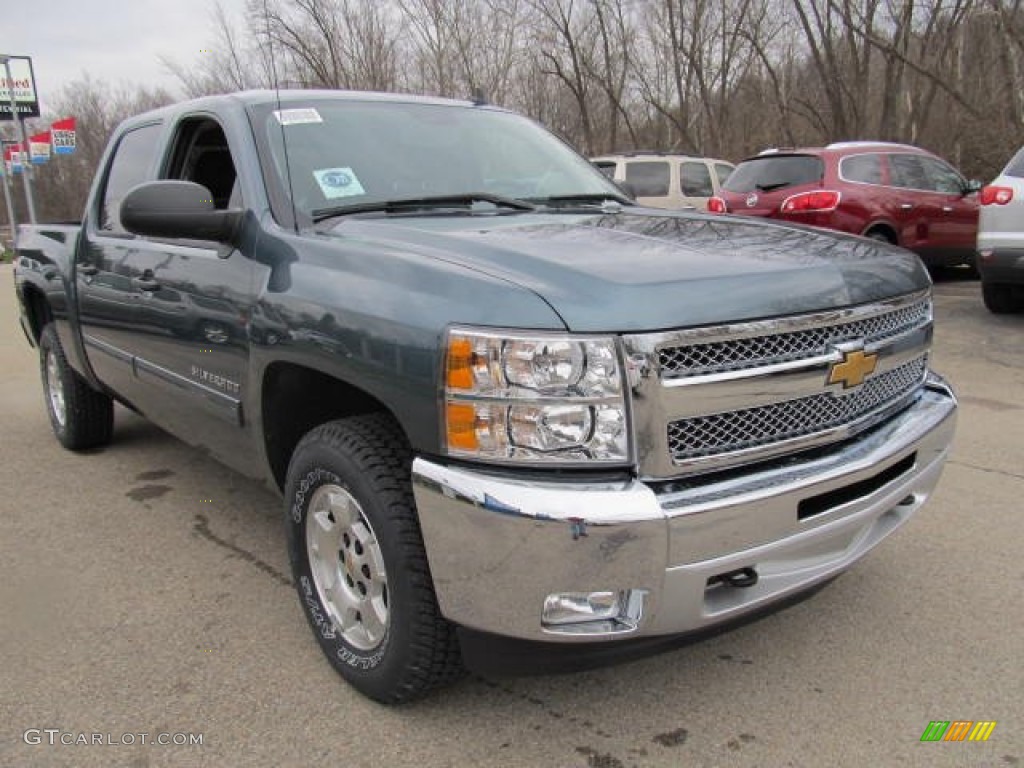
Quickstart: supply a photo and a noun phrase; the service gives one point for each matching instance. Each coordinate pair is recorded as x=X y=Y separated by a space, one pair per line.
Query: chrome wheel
x=55 y=388
x=347 y=567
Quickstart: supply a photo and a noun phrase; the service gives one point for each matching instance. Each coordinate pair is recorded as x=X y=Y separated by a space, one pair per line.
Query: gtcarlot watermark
x=56 y=737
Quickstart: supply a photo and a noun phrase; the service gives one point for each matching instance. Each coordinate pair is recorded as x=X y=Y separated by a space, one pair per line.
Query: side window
x=942 y=177
x=607 y=167
x=695 y=180
x=866 y=169
x=200 y=154
x=649 y=179
x=130 y=166
x=723 y=172
x=907 y=171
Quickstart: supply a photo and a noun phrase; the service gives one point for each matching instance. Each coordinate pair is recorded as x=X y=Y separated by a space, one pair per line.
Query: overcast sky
x=117 y=41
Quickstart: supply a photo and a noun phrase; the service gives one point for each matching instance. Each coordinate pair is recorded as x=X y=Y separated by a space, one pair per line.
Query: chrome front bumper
x=499 y=546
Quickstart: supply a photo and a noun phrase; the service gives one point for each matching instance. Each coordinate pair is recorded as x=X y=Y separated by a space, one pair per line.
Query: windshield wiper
x=424 y=203
x=770 y=187
x=584 y=198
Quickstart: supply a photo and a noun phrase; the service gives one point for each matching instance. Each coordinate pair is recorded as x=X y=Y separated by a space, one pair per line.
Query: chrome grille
x=736 y=354
x=753 y=427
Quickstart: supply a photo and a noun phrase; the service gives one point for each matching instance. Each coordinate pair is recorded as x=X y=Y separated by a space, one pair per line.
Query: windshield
x=357 y=153
x=764 y=174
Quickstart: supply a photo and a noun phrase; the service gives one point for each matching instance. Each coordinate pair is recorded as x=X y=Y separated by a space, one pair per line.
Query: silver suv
x=1001 y=239
x=663 y=180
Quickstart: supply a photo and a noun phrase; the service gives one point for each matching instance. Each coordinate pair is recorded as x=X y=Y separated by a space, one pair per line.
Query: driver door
x=191 y=337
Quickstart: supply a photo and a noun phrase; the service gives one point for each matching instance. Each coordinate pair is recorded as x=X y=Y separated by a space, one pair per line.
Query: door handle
x=147 y=284
x=947 y=209
x=88 y=270
x=906 y=206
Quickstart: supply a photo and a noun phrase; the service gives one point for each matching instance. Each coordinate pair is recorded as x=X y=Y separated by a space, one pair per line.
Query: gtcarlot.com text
x=57 y=737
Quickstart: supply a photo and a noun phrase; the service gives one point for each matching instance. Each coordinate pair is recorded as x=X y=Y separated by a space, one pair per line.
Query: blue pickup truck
x=506 y=407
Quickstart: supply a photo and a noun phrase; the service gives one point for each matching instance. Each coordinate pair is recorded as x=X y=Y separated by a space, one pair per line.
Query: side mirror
x=178 y=209
x=972 y=186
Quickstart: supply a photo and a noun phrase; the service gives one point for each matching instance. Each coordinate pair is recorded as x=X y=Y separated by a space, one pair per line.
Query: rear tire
x=81 y=417
x=999 y=298
x=359 y=563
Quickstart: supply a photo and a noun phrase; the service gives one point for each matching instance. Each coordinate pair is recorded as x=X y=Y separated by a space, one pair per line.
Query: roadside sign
x=39 y=148
x=63 y=136
x=13 y=157
x=23 y=81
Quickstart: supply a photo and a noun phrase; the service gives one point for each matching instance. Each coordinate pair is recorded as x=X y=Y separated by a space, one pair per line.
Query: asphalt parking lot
x=146 y=590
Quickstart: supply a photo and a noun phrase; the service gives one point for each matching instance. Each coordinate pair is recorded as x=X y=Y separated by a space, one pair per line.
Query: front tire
x=81 y=417
x=359 y=563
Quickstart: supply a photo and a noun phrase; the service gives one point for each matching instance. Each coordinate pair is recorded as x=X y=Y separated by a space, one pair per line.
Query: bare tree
x=612 y=68
x=372 y=45
x=329 y=43
x=464 y=47
x=1010 y=36
x=434 y=56
x=234 y=61
x=566 y=35
x=698 y=53
x=840 y=58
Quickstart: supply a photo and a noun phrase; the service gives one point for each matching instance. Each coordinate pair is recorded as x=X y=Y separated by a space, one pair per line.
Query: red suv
x=893 y=192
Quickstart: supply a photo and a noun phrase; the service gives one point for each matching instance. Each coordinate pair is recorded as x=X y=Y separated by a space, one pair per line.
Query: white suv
x=667 y=181
x=1001 y=239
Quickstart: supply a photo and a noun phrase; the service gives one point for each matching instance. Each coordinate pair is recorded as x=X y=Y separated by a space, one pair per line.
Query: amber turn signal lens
x=460 y=421
x=460 y=364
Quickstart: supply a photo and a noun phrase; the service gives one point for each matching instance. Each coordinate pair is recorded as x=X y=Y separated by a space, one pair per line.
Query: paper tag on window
x=297 y=116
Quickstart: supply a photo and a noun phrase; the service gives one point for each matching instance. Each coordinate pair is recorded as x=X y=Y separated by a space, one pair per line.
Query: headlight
x=534 y=398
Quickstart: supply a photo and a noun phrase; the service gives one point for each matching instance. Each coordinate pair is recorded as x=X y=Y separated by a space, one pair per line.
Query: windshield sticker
x=297 y=116
x=338 y=182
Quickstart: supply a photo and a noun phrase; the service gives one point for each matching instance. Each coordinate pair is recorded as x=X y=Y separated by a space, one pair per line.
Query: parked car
x=663 y=180
x=1001 y=239
x=896 y=193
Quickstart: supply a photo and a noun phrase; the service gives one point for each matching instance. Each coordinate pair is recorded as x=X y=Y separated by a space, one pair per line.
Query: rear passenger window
x=866 y=169
x=606 y=167
x=1016 y=165
x=132 y=161
x=649 y=179
x=907 y=171
x=695 y=180
x=723 y=172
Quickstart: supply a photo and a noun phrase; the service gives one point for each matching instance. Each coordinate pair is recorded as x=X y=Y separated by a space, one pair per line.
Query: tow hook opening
x=742 y=577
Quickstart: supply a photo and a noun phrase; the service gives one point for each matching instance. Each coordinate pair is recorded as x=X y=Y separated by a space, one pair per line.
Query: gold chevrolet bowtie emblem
x=852 y=369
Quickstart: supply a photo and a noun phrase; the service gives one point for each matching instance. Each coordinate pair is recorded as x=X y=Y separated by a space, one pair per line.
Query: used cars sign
x=19 y=77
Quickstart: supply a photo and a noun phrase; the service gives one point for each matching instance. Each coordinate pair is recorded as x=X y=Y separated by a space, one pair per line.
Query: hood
x=645 y=270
